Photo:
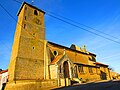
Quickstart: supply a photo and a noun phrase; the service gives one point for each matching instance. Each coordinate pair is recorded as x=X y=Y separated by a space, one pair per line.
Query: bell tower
x=27 y=58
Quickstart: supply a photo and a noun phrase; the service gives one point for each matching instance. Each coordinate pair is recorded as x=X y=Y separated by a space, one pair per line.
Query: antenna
x=32 y=2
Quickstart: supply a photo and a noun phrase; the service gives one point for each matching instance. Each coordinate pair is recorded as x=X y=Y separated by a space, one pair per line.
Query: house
x=3 y=78
x=114 y=75
x=104 y=71
x=37 y=63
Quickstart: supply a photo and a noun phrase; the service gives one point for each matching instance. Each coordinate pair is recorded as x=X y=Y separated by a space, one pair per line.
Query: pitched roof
x=30 y=6
x=89 y=53
x=98 y=63
x=56 y=59
x=3 y=71
x=86 y=65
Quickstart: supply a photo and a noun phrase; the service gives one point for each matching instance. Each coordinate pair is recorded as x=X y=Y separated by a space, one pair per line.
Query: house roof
x=3 y=71
x=89 y=53
x=98 y=63
x=30 y=6
x=86 y=65
x=56 y=59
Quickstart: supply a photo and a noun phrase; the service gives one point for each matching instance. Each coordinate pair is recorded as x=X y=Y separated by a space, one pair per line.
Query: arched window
x=24 y=26
x=75 y=72
x=60 y=69
x=35 y=12
x=25 y=17
x=25 y=8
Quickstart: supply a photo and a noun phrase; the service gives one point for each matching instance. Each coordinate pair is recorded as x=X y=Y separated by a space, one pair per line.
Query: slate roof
x=89 y=53
x=30 y=6
x=56 y=59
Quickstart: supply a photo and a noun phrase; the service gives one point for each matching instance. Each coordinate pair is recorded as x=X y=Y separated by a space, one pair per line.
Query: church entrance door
x=66 y=73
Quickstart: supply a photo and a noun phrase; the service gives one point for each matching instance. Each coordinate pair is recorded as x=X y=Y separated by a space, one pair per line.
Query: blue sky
x=103 y=15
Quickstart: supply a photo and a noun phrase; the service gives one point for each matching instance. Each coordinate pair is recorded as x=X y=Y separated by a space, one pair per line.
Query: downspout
x=58 y=79
x=45 y=59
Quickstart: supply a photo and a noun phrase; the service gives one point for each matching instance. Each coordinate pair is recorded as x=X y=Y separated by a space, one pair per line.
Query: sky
x=102 y=15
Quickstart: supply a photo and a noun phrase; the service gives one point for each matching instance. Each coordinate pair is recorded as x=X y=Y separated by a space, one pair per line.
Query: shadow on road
x=109 y=85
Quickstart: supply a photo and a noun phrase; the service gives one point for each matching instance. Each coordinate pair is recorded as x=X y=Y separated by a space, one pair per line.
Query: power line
x=82 y=25
x=58 y=19
x=77 y=23
x=111 y=56
x=8 y=13
x=83 y=28
x=5 y=45
x=17 y=1
x=18 y=22
x=69 y=24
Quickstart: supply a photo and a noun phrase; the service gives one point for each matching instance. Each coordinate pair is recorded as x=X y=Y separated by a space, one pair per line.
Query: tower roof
x=30 y=6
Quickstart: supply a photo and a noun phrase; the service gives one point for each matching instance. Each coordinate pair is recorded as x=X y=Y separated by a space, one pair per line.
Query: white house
x=3 y=77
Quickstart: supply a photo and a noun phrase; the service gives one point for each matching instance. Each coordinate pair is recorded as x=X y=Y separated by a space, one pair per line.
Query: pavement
x=102 y=85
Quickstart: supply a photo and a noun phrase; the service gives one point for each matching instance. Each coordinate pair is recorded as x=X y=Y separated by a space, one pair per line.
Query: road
x=109 y=85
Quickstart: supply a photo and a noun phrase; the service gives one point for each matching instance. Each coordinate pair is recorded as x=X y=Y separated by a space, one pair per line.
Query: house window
x=75 y=72
x=90 y=69
x=80 y=68
x=35 y=12
x=92 y=58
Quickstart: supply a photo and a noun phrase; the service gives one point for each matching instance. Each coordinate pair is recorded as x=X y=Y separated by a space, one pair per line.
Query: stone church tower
x=37 y=63
x=27 y=62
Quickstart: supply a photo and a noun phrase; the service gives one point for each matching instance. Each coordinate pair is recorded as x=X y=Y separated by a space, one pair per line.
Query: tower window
x=24 y=26
x=25 y=8
x=35 y=12
x=25 y=17
x=33 y=47
x=33 y=34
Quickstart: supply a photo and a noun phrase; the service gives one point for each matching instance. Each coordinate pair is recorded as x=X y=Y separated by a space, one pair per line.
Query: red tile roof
x=56 y=59
x=3 y=71
x=98 y=63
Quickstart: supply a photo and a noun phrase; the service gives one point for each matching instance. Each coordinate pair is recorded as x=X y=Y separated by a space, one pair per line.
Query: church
x=37 y=63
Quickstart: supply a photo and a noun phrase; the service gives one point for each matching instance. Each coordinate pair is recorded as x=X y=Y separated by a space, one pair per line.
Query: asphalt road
x=109 y=85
